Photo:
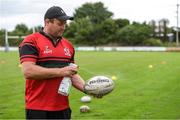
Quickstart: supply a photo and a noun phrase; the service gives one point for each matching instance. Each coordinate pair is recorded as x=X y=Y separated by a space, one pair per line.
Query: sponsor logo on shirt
x=47 y=50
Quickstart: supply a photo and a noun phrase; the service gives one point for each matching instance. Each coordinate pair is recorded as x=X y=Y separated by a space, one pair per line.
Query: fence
x=122 y=49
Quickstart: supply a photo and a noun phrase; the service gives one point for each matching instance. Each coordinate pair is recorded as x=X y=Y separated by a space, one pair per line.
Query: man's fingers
x=74 y=72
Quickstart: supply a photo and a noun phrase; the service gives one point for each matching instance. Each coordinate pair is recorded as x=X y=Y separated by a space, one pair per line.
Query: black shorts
x=40 y=114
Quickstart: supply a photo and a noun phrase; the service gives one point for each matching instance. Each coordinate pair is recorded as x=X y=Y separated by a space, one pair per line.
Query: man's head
x=55 y=20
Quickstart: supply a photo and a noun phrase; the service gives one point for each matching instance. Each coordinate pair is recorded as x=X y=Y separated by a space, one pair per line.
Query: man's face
x=56 y=27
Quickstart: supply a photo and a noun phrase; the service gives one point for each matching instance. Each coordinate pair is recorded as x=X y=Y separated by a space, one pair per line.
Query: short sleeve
x=72 y=58
x=28 y=50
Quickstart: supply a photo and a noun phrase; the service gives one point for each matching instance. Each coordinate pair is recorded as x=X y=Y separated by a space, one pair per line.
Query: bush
x=153 y=42
x=133 y=34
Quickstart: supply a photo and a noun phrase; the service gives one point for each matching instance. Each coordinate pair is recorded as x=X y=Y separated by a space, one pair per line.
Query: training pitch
x=147 y=85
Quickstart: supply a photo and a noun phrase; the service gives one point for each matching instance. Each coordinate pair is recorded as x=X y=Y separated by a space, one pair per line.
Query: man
x=45 y=57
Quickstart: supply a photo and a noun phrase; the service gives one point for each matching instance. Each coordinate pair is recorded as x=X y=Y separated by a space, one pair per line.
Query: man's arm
x=78 y=82
x=35 y=72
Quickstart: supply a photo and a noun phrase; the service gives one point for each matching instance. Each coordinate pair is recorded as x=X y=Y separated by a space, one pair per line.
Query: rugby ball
x=84 y=109
x=86 y=99
x=100 y=85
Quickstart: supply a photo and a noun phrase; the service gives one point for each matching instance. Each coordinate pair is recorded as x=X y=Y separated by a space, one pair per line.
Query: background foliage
x=94 y=26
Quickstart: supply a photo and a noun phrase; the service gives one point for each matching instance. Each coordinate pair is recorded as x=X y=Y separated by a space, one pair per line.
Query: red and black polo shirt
x=39 y=48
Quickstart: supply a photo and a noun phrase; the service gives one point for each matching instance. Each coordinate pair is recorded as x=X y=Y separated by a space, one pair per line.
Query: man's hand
x=69 y=70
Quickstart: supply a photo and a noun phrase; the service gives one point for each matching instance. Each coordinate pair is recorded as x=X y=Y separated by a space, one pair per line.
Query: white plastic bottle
x=65 y=85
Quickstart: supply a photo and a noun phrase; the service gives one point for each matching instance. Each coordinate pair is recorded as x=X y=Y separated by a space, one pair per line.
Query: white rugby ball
x=102 y=84
x=84 y=109
x=86 y=99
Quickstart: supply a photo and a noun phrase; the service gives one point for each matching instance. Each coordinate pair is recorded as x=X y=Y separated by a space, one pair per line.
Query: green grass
x=140 y=92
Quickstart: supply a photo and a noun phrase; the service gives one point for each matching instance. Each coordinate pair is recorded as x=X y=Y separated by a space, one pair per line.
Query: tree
x=2 y=37
x=134 y=34
x=70 y=30
x=122 y=22
x=35 y=29
x=82 y=32
x=92 y=26
x=84 y=29
x=21 y=30
x=96 y=12
x=107 y=31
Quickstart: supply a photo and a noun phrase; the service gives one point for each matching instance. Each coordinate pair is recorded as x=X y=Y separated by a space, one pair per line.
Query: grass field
x=141 y=91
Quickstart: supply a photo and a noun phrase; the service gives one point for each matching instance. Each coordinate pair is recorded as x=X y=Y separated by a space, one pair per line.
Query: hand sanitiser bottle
x=65 y=85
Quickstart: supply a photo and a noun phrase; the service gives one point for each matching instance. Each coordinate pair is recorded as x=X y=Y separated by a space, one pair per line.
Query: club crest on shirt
x=67 y=52
x=47 y=50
